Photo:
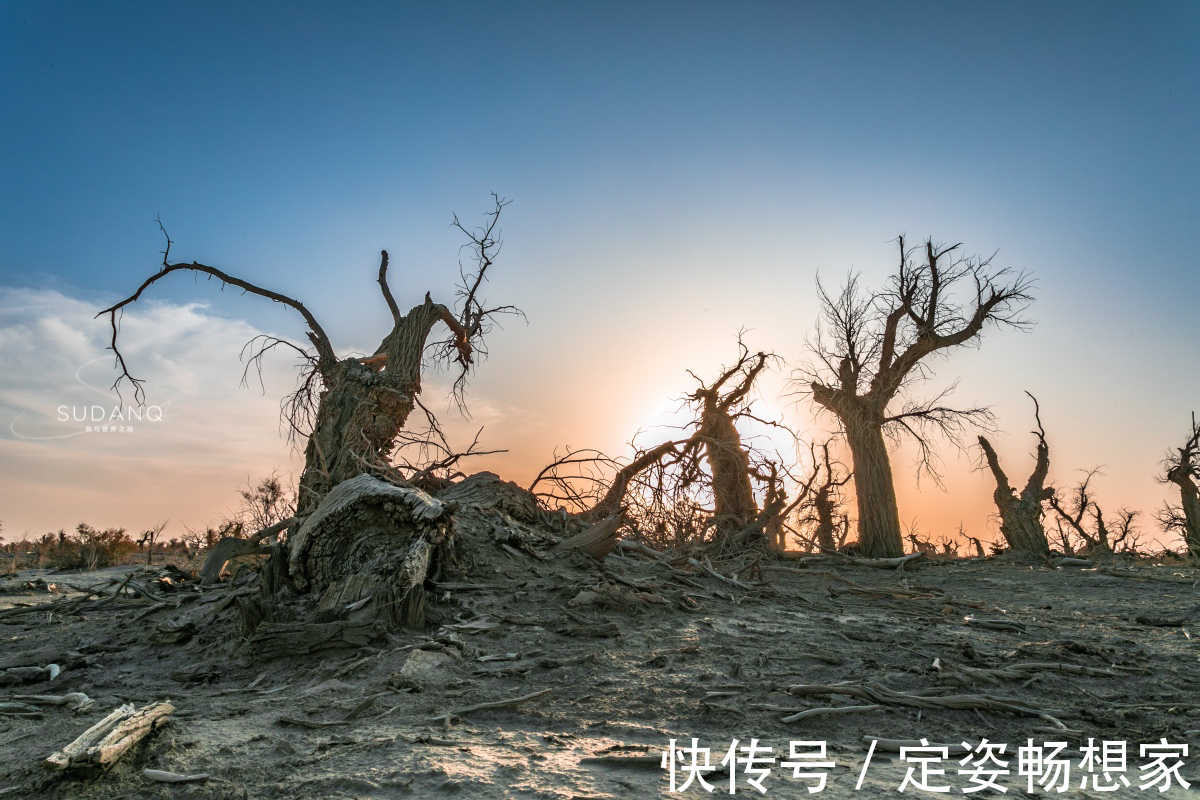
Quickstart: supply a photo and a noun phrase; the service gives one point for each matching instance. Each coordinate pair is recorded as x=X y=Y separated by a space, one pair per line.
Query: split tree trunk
x=1021 y=514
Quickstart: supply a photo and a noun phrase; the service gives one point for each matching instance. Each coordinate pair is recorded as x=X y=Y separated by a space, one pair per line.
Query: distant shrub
x=87 y=548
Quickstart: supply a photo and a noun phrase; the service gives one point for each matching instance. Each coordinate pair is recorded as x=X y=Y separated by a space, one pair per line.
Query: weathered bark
x=369 y=551
x=1021 y=514
x=364 y=406
x=734 y=505
x=288 y=640
x=597 y=540
x=879 y=534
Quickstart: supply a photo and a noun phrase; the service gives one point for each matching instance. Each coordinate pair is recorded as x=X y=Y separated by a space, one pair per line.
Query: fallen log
x=105 y=742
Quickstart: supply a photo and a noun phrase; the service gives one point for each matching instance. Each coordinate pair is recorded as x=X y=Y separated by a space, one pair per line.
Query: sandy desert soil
x=630 y=654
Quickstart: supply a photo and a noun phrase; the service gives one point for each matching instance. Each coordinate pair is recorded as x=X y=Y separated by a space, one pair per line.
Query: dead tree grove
x=1075 y=506
x=871 y=346
x=1021 y=513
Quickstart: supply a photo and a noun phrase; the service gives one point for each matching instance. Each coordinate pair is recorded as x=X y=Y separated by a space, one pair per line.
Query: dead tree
x=149 y=537
x=710 y=471
x=352 y=409
x=1098 y=538
x=1182 y=468
x=870 y=346
x=1021 y=514
x=719 y=405
x=819 y=523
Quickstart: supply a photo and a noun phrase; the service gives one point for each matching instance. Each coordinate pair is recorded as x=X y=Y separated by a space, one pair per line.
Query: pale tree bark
x=870 y=346
x=1021 y=514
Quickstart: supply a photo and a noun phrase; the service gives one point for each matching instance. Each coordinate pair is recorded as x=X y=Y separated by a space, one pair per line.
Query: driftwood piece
x=995 y=624
x=829 y=712
x=105 y=742
x=174 y=777
x=19 y=675
x=515 y=701
x=1142 y=575
x=76 y=701
x=965 y=675
x=876 y=693
x=1179 y=619
x=289 y=639
x=42 y=655
x=841 y=558
x=232 y=547
x=714 y=574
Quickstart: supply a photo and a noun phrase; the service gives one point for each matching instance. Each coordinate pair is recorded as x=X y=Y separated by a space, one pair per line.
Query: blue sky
x=679 y=172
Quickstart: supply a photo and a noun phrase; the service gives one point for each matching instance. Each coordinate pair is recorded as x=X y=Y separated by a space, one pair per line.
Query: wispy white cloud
x=213 y=434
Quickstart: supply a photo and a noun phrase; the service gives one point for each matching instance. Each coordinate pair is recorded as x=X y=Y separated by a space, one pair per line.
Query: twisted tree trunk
x=365 y=405
x=734 y=506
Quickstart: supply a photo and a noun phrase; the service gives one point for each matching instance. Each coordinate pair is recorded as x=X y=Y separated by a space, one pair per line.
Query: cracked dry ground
x=625 y=674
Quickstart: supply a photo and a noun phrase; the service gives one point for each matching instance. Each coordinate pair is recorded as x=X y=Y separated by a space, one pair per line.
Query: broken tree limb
x=876 y=693
x=841 y=558
x=289 y=639
x=965 y=675
x=516 y=701
x=232 y=547
x=105 y=742
x=894 y=745
x=713 y=573
x=827 y=712
x=174 y=777
x=598 y=540
x=638 y=547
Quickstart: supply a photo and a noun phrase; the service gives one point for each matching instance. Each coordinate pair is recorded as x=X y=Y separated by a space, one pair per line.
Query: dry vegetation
x=395 y=627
